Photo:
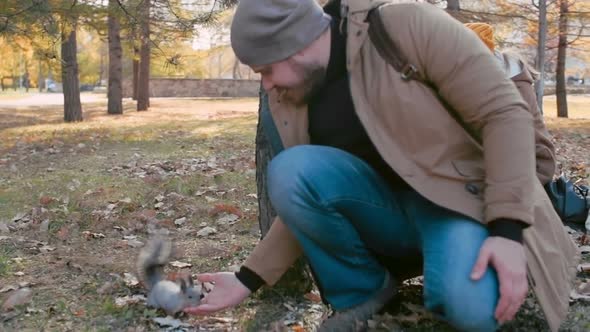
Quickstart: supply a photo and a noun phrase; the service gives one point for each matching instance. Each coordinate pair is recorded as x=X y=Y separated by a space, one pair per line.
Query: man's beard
x=314 y=77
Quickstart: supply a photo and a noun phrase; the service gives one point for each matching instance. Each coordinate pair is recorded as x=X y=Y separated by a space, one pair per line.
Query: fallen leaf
x=159 y=198
x=79 y=313
x=180 y=265
x=63 y=233
x=225 y=209
x=252 y=195
x=130 y=280
x=19 y=297
x=45 y=249
x=90 y=235
x=169 y=321
x=19 y=274
x=313 y=297
x=126 y=300
x=288 y=306
x=24 y=284
x=111 y=207
x=158 y=205
x=126 y=200
x=210 y=199
x=106 y=288
x=46 y=200
x=74 y=266
x=585 y=249
x=134 y=243
x=8 y=288
x=584 y=267
x=44 y=226
x=297 y=328
x=19 y=216
x=206 y=231
x=228 y=219
x=584 y=288
x=180 y=221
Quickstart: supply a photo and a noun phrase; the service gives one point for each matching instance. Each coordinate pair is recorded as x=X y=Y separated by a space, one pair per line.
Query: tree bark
x=143 y=89
x=266 y=212
x=560 y=82
x=298 y=279
x=40 y=78
x=237 y=74
x=453 y=5
x=135 y=71
x=115 y=88
x=69 y=74
x=540 y=59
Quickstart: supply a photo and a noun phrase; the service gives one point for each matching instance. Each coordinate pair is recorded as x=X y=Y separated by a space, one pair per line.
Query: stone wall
x=189 y=87
x=571 y=90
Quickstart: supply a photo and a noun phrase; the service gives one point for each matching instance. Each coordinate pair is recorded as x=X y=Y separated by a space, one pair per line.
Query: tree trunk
x=69 y=74
x=135 y=71
x=297 y=280
x=115 y=89
x=560 y=83
x=236 y=70
x=143 y=88
x=540 y=60
x=453 y=5
x=40 y=78
x=266 y=212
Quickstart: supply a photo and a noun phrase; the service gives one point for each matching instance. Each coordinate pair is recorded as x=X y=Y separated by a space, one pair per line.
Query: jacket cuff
x=250 y=279
x=507 y=228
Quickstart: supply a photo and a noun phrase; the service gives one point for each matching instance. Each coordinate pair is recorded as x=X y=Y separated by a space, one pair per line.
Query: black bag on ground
x=571 y=201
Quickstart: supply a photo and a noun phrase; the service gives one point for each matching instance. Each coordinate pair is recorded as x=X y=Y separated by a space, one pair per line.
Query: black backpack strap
x=391 y=53
x=389 y=50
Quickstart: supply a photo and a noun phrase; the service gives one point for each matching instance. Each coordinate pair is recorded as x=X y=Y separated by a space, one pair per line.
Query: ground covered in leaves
x=77 y=201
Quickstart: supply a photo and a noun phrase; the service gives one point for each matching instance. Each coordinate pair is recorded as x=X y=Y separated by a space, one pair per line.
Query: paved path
x=48 y=99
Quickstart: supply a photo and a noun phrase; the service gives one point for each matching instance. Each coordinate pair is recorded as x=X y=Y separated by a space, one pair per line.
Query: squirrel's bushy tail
x=152 y=259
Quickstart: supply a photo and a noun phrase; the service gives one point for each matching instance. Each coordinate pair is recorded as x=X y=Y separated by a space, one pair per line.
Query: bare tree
x=115 y=88
x=453 y=5
x=540 y=59
x=69 y=71
x=560 y=82
x=143 y=88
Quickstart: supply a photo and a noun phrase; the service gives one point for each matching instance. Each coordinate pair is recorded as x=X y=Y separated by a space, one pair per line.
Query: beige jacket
x=423 y=143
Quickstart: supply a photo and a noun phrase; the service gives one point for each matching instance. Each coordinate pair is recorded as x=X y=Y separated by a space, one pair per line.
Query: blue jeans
x=344 y=215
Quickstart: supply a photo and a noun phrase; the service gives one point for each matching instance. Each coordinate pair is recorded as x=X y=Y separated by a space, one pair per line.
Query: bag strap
x=391 y=53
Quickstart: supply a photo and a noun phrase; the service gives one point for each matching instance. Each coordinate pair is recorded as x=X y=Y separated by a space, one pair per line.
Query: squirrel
x=164 y=294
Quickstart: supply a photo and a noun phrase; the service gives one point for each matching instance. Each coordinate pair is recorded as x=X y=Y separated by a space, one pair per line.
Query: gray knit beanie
x=268 y=31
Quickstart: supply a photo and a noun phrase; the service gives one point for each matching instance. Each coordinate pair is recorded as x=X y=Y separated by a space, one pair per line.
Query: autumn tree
x=115 y=87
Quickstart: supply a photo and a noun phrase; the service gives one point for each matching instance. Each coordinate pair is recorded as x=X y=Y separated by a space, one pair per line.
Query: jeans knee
x=469 y=310
x=284 y=174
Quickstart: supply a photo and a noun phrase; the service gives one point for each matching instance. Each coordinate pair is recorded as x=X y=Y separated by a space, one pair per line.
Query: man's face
x=295 y=81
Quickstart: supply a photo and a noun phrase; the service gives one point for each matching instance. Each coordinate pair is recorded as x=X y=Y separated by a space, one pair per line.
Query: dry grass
x=69 y=174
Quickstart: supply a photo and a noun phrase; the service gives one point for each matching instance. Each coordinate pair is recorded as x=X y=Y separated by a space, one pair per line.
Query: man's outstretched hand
x=227 y=292
x=509 y=260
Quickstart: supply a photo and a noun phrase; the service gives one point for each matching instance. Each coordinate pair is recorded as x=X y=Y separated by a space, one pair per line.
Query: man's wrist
x=250 y=279
x=507 y=228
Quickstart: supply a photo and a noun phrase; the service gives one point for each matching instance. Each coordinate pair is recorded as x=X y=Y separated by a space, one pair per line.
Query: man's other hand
x=509 y=260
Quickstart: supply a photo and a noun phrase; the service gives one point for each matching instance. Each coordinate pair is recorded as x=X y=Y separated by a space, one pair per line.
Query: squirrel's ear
x=182 y=285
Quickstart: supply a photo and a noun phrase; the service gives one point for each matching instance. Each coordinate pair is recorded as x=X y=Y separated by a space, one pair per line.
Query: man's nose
x=267 y=84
